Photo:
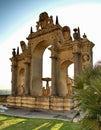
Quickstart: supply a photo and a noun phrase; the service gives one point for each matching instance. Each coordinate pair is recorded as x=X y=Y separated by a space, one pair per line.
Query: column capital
x=27 y=60
x=53 y=57
x=14 y=62
x=76 y=49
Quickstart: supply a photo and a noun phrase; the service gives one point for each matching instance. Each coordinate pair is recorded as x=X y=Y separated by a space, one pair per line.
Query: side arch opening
x=66 y=78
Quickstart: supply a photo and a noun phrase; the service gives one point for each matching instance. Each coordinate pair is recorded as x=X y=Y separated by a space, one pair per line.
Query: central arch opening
x=46 y=67
x=38 y=69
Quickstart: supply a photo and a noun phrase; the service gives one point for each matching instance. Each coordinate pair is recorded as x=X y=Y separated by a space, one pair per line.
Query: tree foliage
x=87 y=95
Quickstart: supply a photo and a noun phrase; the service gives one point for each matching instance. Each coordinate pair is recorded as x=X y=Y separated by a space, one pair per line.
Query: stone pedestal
x=40 y=103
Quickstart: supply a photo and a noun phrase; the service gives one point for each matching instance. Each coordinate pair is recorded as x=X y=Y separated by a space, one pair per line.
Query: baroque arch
x=65 y=49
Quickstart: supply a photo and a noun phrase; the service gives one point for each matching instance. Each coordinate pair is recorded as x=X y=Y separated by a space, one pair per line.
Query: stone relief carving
x=85 y=61
x=21 y=86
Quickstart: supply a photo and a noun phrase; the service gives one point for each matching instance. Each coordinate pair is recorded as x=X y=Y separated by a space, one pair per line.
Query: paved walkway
x=37 y=114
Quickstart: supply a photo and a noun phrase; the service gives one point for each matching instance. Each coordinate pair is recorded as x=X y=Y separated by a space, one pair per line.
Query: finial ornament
x=57 y=21
x=14 y=52
x=31 y=30
x=17 y=50
x=76 y=34
x=84 y=36
x=79 y=33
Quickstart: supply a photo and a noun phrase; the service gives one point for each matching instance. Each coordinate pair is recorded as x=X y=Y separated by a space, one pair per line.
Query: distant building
x=5 y=92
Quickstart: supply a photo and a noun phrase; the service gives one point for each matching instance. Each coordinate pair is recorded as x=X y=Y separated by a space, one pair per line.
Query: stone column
x=54 y=50
x=77 y=66
x=27 y=76
x=14 y=76
x=77 y=58
x=54 y=76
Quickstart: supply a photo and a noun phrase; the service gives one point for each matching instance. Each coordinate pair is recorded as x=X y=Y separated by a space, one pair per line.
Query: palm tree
x=87 y=94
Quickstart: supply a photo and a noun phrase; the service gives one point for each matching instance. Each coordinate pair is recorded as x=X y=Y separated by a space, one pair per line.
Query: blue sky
x=17 y=16
x=13 y=13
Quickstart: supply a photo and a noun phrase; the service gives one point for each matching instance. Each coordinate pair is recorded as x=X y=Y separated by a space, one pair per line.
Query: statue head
x=43 y=20
x=66 y=32
x=23 y=46
x=43 y=16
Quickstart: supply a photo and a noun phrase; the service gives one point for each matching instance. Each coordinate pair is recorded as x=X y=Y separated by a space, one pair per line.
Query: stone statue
x=43 y=91
x=46 y=91
x=51 y=21
x=66 y=33
x=69 y=85
x=43 y=20
x=37 y=26
x=23 y=46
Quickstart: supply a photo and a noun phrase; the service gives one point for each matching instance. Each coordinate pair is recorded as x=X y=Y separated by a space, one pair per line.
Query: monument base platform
x=40 y=103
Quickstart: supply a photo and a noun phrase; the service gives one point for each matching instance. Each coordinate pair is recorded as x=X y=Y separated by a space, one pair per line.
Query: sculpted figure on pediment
x=51 y=21
x=43 y=20
x=66 y=33
x=37 y=26
x=23 y=46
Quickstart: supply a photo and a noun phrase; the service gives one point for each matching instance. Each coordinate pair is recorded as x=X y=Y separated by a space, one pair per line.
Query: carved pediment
x=44 y=21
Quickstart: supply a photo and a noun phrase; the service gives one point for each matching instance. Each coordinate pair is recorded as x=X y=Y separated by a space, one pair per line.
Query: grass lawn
x=17 y=123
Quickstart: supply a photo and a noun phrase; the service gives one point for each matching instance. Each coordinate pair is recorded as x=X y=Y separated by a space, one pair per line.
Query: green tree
x=87 y=95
